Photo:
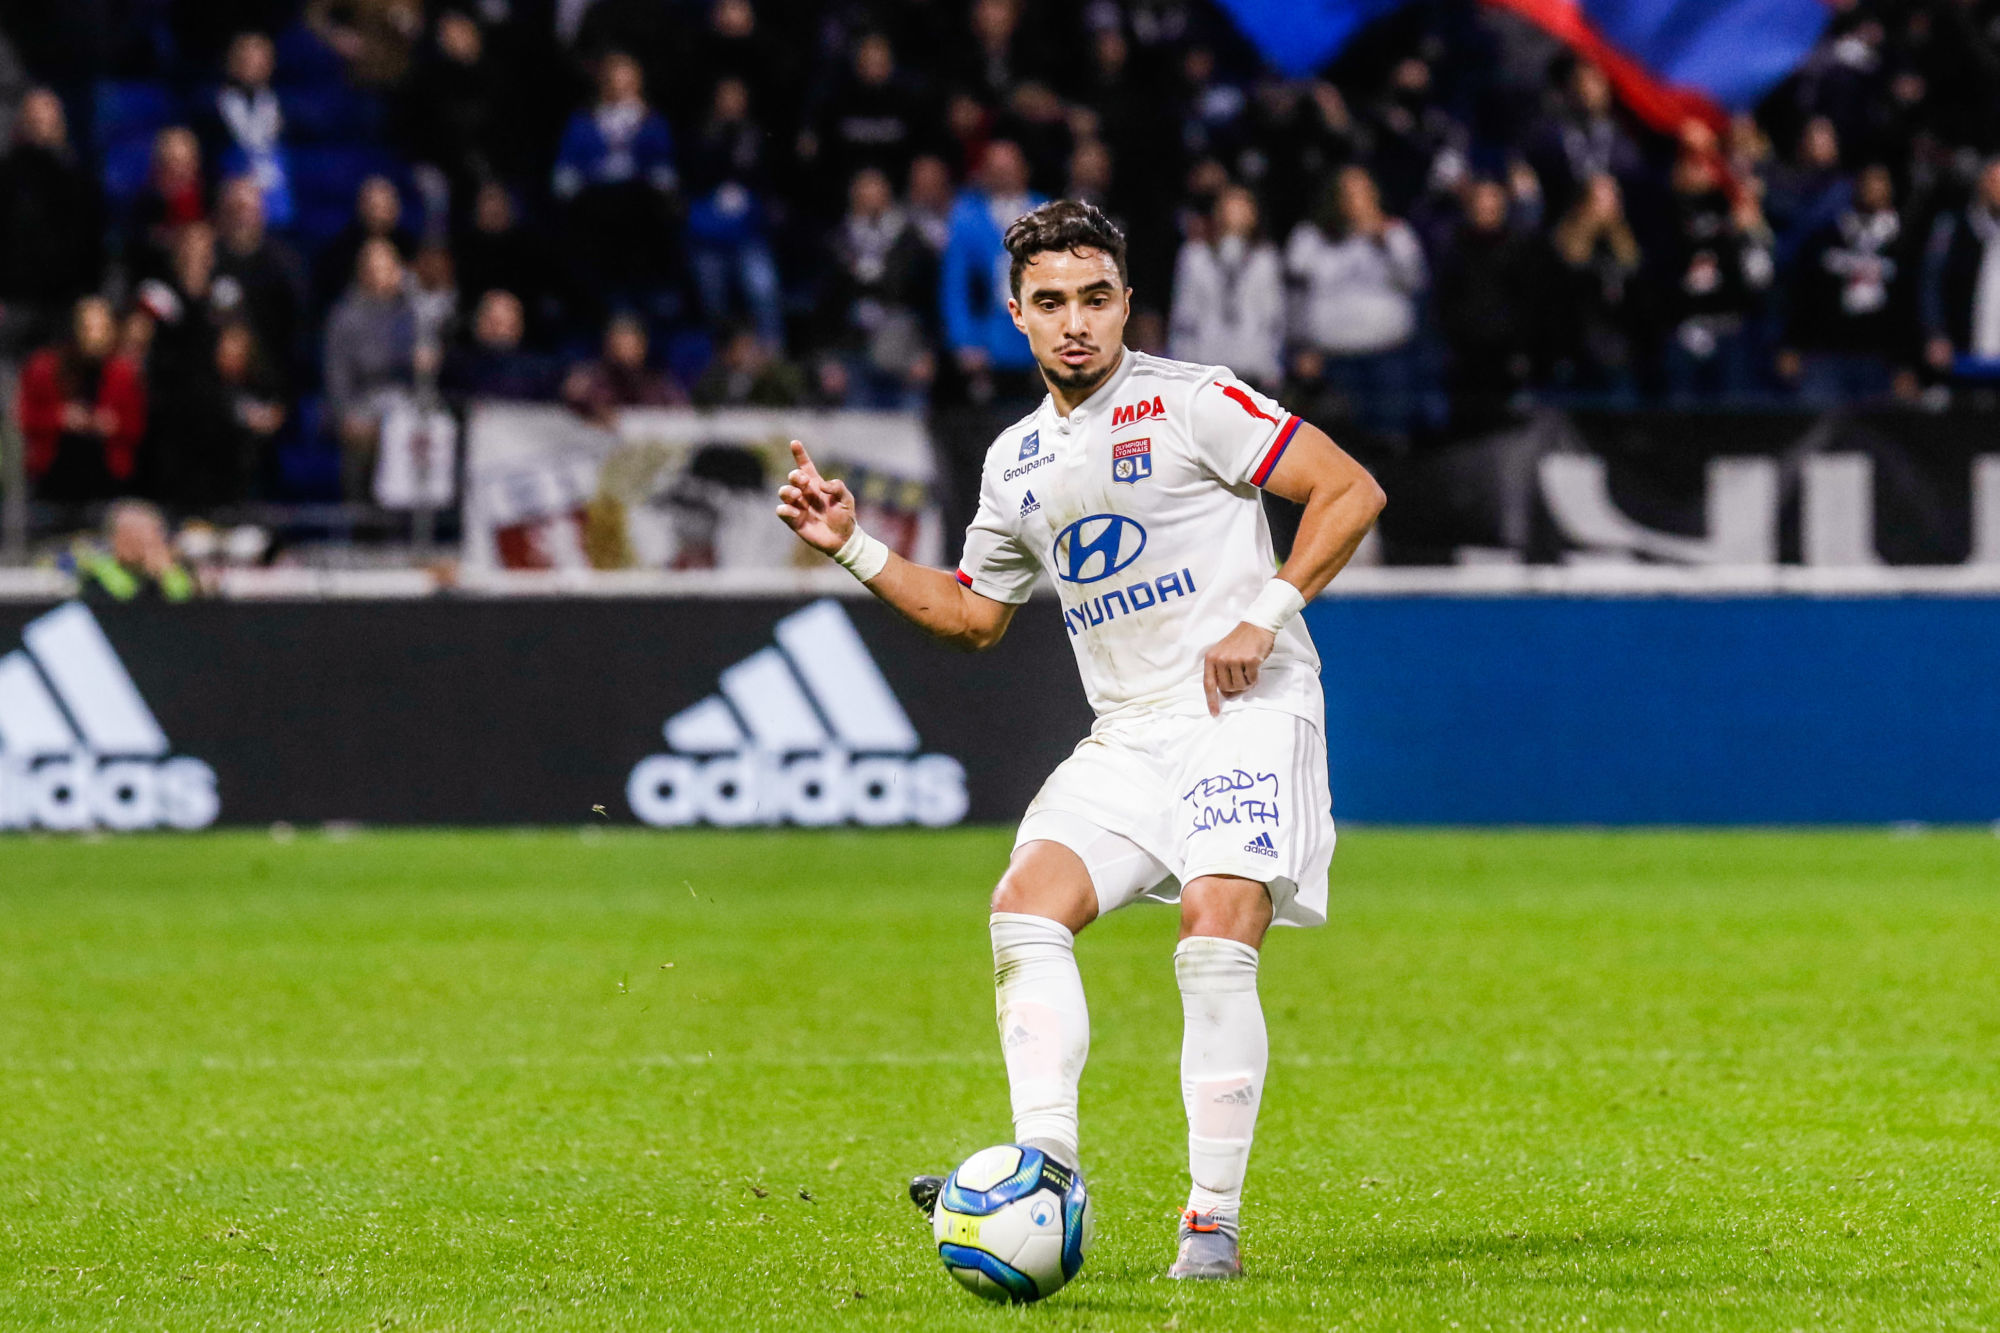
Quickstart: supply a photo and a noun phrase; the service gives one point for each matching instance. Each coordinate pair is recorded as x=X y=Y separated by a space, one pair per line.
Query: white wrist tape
x=1277 y=603
x=861 y=555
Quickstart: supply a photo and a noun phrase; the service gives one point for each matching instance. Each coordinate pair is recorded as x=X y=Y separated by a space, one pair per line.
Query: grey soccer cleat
x=1207 y=1247
x=924 y=1191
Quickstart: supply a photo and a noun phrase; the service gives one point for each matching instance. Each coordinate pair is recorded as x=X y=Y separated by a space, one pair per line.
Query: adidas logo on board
x=79 y=748
x=806 y=732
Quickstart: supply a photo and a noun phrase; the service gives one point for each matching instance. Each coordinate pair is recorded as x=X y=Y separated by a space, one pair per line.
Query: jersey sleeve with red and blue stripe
x=996 y=563
x=1239 y=433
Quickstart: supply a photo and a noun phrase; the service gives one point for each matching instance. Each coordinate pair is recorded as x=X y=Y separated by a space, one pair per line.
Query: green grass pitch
x=612 y=1080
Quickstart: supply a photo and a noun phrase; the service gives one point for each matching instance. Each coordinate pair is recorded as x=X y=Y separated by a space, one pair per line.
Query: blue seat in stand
x=129 y=109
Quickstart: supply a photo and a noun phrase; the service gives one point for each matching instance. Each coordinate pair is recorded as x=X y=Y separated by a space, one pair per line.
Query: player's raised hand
x=820 y=511
x=1231 y=666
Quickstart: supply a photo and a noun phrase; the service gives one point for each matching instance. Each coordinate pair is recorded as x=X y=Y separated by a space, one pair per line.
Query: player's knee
x=1018 y=894
x=1010 y=895
x=1047 y=885
x=1226 y=907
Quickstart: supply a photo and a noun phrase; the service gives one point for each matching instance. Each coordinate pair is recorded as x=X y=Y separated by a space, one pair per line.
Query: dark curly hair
x=1062 y=224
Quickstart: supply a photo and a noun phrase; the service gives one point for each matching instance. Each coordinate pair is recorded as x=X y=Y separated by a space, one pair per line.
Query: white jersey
x=1142 y=506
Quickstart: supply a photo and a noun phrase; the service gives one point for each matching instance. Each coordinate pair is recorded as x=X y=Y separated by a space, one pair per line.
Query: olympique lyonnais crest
x=1132 y=461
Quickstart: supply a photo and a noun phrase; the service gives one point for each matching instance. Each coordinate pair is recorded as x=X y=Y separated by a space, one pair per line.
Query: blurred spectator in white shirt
x=1229 y=295
x=1358 y=270
x=1358 y=274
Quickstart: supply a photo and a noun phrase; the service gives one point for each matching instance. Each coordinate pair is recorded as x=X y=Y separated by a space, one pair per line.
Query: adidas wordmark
x=79 y=748
x=808 y=732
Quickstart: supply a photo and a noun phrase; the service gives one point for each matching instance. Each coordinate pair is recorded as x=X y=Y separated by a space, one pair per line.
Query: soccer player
x=1134 y=488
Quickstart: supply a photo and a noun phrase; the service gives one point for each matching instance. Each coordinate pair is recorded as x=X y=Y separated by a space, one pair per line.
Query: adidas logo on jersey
x=1029 y=504
x=1262 y=845
x=806 y=732
x=79 y=748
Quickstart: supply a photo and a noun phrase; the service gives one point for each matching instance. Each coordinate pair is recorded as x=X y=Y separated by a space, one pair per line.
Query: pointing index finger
x=804 y=460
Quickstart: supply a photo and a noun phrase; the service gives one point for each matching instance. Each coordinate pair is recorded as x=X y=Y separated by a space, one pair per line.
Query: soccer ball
x=1011 y=1224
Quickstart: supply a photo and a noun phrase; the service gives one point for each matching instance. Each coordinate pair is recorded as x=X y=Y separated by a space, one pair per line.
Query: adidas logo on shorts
x=79 y=748
x=806 y=732
x=1262 y=845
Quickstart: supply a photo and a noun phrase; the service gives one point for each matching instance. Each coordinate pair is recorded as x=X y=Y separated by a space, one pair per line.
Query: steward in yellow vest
x=140 y=566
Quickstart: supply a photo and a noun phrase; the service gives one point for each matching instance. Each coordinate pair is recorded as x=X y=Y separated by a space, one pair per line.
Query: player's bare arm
x=821 y=512
x=1342 y=502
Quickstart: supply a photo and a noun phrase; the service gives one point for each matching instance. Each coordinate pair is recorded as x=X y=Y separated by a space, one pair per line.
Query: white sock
x=1044 y=1027
x=1223 y=1054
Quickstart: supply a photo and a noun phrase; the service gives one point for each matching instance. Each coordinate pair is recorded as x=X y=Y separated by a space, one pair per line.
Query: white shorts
x=1150 y=803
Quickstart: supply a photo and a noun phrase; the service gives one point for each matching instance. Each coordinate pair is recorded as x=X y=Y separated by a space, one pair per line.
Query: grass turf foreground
x=484 y=1081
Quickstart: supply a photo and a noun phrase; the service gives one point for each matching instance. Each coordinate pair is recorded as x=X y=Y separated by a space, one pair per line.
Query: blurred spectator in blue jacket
x=616 y=178
x=253 y=125
x=974 y=293
x=619 y=141
x=727 y=216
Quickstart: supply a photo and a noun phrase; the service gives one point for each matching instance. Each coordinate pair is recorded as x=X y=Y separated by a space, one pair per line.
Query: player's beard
x=1081 y=380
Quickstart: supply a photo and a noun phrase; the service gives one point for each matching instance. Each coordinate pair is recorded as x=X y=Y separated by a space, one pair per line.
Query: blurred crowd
x=240 y=240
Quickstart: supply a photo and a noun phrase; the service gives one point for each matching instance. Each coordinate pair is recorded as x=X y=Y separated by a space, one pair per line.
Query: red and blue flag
x=1670 y=60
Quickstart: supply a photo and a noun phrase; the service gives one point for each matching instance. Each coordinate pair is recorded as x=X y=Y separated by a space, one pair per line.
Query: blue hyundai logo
x=1097 y=547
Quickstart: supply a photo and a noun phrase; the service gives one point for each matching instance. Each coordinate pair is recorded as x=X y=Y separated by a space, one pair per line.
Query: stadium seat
x=688 y=352
x=304 y=58
x=330 y=113
x=328 y=174
x=124 y=169
x=309 y=462
x=132 y=109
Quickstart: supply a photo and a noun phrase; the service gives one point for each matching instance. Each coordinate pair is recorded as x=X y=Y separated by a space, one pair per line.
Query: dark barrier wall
x=534 y=711
x=1449 y=710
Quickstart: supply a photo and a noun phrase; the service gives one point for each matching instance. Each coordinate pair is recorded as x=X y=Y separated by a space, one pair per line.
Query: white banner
x=678 y=489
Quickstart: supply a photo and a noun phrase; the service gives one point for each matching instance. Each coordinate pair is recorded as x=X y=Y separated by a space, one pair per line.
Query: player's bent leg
x=1224 y=1052
x=1226 y=907
x=1047 y=879
x=1045 y=897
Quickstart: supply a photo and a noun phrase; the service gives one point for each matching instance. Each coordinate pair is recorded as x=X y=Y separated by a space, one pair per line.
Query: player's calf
x=1224 y=1052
